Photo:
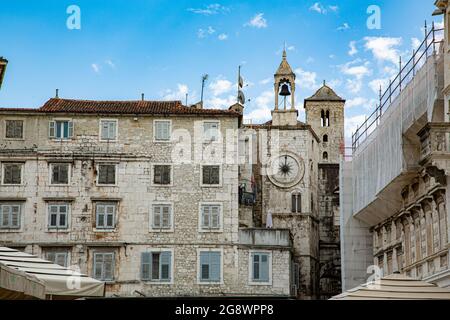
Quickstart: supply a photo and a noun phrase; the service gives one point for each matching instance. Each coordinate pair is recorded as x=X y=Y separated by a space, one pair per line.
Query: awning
x=395 y=287
x=24 y=275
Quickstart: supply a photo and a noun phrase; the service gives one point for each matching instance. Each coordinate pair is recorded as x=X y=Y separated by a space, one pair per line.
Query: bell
x=285 y=90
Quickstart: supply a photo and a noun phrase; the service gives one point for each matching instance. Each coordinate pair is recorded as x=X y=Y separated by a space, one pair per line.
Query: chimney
x=142 y=96
x=57 y=94
x=198 y=105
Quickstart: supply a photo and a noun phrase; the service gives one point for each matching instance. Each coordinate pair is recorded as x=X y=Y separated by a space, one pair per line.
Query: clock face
x=286 y=171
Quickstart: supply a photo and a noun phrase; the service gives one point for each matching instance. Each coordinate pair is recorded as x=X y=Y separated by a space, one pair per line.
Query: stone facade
x=134 y=153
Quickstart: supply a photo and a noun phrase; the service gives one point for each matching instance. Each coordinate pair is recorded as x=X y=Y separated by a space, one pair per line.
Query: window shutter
x=165 y=260
x=100 y=215
x=52 y=129
x=215 y=174
x=112 y=130
x=166 y=217
x=15 y=216
x=146 y=262
x=110 y=212
x=4 y=216
x=157 y=174
x=215 y=213
x=294 y=203
x=205 y=216
x=16 y=171
x=204 y=266
x=111 y=174
x=215 y=266
x=157 y=217
x=70 y=129
x=166 y=178
x=255 y=262
x=264 y=268
x=102 y=174
x=206 y=179
x=98 y=265
x=104 y=130
x=109 y=266
x=299 y=203
x=61 y=259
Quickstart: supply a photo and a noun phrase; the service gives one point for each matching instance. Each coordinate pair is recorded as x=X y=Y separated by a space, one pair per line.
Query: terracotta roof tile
x=56 y=105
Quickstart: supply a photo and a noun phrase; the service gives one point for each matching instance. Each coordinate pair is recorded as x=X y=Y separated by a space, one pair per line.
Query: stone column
x=276 y=88
x=292 y=96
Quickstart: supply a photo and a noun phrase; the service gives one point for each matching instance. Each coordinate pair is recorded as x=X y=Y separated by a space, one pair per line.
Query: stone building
x=395 y=190
x=140 y=194
x=294 y=179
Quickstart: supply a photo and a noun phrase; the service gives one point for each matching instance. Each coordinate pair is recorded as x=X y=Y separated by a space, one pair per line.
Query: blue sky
x=162 y=48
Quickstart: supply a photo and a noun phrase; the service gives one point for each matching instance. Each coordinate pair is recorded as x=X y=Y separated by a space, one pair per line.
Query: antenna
x=187 y=99
x=204 y=79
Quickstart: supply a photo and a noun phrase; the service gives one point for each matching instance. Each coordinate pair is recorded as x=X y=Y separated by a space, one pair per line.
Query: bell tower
x=284 y=113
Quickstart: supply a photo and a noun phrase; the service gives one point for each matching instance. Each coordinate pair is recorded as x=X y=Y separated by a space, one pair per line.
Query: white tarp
x=395 y=287
x=55 y=280
x=380 y=157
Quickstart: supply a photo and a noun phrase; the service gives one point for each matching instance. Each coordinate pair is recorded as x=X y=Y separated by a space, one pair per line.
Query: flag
x=241 y=82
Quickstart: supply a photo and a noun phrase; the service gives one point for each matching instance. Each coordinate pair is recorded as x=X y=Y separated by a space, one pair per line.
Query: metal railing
x=405 y=75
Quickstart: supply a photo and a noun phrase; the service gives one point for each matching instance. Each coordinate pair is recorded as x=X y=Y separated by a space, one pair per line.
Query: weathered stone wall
x=134 y=153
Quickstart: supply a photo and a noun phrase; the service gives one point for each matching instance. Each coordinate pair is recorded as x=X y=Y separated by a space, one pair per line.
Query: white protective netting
x=379 y=158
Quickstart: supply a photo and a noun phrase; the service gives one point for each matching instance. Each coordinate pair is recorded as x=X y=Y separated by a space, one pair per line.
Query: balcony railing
x=405 y=75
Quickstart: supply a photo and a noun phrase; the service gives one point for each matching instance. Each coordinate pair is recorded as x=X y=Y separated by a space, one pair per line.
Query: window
x=14 y=129
x=105 y=215
x=58 y=215
x=325 y=118
x=210 y=266
x=61 y=129
x=161 y=174
x=10 y=215
x=210 y=216
x=12 y=173
x=296 y=203
x=106 y=174
x=211 y=130
x=108 y=130
x=162 y=130
x=325 y=156
x=162 y=216
x=260 y=266
x=104 y=266
x=211 y=175
x=60 y=173
x=156 y=266
x=58 y=257
x=325 y=138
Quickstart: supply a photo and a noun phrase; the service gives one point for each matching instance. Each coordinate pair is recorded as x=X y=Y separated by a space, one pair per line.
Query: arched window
x=296 y=203
x=325 y=156
x=327 y=118
x=325 y=138
x=322 y=118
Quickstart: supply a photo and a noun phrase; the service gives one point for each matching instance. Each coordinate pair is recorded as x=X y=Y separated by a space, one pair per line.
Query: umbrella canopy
x=47 y=278
x=395 y=287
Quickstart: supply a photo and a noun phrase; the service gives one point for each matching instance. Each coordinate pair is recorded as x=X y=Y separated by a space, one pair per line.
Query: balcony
x=435 y=148
x=265 y=238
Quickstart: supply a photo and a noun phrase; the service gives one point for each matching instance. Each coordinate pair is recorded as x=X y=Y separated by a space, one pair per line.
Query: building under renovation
x=395 y=191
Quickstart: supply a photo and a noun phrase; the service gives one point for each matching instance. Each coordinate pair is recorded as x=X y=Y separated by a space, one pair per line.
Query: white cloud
x=179 y=94
x=95 y=67
x=376 y=83
x=258 y=21
x=358 y=71
x=222 y=37
x=332 y=56
x=351 y=123
x=110 y=63
x=334 y=8
x=220 y=103
x=343 y=27
x=203 y=33
x=384 y=48
x=356 y=102
x=415 y=43
x=220 y=86
x=310 y=60
x=353 y=85
x=306 y=79
x=334 y=83
x=318 y=7
x=210 y=9
x=264 y=106
x=353 y=49
x=265 y=81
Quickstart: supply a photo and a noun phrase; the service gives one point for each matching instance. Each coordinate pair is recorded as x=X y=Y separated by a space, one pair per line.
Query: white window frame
x=250 y=268
x=23 y=129
x=100 y=136
x=200 y=217
x=154 y=131
x=207 y=139
x=152 y=175
x=69 y=174
x=20 y=219
x=151 y=215
x=21 y=173
x=172 y=266
x=97 y=167
x=113 y=267
x=115 y=216
x=55 y=138
x=211 y=185
x=68 y=215
x=58 y=252
x=199 y=281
